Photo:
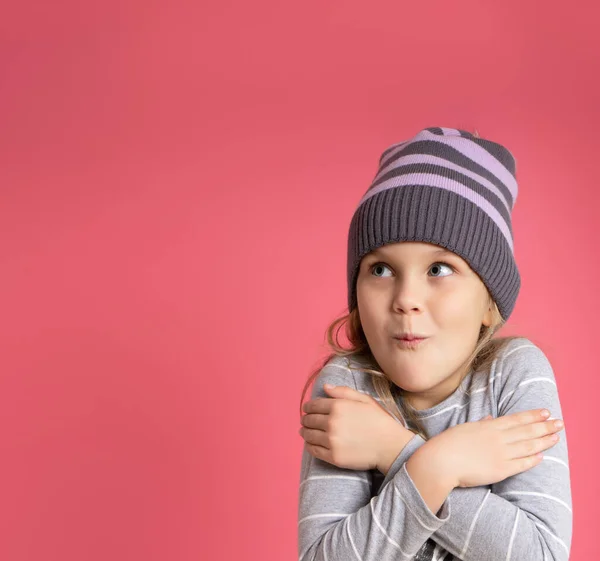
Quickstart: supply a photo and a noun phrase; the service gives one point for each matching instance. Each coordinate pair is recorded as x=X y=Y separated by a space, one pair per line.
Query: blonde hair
x=484 y=353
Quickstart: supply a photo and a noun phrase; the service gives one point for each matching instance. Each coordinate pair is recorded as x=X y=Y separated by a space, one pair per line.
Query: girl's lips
x=410 y=343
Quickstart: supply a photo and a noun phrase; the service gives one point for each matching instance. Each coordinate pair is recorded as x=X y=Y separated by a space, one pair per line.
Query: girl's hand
x=490 y=450
x=351 y=430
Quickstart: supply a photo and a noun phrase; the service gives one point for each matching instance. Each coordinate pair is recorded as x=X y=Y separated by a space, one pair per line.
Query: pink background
x=177 y=181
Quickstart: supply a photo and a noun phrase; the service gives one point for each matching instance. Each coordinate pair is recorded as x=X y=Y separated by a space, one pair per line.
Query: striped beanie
x=447 y=187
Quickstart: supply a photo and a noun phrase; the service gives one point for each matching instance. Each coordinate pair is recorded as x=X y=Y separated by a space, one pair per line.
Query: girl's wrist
x=393 y=442
x=428 y=476
x=434 y=457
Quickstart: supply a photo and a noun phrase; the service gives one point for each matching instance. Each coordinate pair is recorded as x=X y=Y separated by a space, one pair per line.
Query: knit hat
x=447 y=187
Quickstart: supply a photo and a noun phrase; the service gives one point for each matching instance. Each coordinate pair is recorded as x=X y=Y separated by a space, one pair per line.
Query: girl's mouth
x=410 y=343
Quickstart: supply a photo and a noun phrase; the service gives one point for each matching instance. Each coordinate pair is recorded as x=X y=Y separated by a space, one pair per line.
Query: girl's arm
x=526 y=516
x=339 y=519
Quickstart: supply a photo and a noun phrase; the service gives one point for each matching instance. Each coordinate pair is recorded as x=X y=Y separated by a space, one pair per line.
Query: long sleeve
x=530 y=512
x=338 y=519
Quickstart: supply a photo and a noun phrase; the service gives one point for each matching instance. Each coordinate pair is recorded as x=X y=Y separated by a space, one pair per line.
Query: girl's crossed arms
x=480 y=472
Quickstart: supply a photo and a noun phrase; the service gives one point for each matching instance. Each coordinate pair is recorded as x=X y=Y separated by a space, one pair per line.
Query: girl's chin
x=414 y=387
x=412 y=379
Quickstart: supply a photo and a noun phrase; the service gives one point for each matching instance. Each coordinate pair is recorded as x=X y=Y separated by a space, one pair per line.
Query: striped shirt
x=348 y=514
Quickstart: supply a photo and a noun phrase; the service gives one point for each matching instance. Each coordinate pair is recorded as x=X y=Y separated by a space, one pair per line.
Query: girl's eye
x=378 y=266
x=436 y=266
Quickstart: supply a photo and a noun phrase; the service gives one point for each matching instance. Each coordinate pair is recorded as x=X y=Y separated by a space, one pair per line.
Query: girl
x=430 y=445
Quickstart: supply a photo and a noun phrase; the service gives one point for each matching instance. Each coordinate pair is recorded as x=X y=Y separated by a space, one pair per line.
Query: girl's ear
x=487 y=317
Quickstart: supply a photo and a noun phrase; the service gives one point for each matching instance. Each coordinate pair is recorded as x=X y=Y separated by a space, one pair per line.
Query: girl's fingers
x=523 y=464
x=346 y=392
x=319 y=452
x=530 y=447
x=315 y=437
x=315 y=421
x=534 y=430
x=521 y=418
x=318 y=405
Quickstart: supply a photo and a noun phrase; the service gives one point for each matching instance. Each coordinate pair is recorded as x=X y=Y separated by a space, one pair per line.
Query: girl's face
x=423 y=289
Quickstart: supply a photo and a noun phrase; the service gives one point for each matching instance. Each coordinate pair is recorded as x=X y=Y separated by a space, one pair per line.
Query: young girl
x=433 y=444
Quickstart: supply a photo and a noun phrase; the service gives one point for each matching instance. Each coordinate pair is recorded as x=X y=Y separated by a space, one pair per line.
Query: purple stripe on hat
x=427 y=159
x=434 y=180
x=468 y=148
x=389 y=149
x=472 y=150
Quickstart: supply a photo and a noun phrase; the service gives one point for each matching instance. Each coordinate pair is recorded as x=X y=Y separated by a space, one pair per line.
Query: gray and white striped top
x=361 y=515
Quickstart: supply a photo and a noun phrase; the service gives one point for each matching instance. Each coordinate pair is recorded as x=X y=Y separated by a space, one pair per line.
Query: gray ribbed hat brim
x=441 y=217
